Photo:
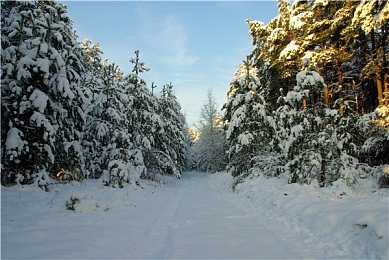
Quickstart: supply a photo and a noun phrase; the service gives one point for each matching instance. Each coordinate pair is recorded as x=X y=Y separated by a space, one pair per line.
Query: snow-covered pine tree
x=171 y=148
x=93 y=65
x=374 y=128
x=291 y=22
x=109 y=92
x=93 y=143
x=42 y=101
x=279 y=47
x=316 y=145
x=347 y=42
x=373 y=18
x=210 y=146
x=248 y=126
x=112 y=152
x=327 y=20
x=146 y=122
x=139 y=67
x=281 y=34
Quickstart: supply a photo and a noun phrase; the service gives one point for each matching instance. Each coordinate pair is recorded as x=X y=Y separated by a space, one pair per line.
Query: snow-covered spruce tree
x=210 y=146
x=315 y=146
x=93 y=66
x=374 y=127
x=115 y=156
x=42 y=101
x=171 y=147
x=93 y=82
x=147 y=125
x=248 y=128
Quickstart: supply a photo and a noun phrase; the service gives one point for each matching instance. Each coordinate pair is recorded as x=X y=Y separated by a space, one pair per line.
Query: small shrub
x=383 y=180
x=71 y=202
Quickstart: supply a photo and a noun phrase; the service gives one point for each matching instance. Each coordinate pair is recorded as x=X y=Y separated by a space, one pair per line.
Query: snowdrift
x=342 y=222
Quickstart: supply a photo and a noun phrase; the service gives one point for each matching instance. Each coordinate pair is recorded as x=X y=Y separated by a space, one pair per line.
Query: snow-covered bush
x=375 y=145
x=267 y=165
x=383 y=176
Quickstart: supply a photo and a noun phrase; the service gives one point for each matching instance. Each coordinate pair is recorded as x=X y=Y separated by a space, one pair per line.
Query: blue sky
x=195 y=45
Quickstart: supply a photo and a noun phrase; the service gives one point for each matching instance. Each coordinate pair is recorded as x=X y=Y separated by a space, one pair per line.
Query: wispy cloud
x=167 y=36
x=187 y=78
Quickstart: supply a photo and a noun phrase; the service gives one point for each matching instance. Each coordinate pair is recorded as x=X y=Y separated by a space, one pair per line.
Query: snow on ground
x=337 y=221
x=196 y=217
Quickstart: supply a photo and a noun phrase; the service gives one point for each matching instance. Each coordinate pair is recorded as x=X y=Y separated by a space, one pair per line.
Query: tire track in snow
x=156 y=241
x=198 y=219
x=211 y=226
x=295 y=235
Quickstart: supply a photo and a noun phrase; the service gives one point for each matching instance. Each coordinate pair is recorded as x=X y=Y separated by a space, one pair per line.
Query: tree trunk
x=376 y=69
x=326 y=96
x=363 y=102
x=386 y=90
x=325 y=77
x=340 y=75
x=384 y=66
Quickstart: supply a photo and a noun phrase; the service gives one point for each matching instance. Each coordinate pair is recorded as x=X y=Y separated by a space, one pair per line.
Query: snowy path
x=200 y=221
x=197 y=217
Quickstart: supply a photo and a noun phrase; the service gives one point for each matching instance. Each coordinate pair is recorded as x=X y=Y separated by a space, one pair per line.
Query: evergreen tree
x=93 y=65
x=95 y=136
x=112 y=153
x=191 y=151
x=373 y=128
x=245 y=110
x=42 y=98
x=172 y=146
x=326 y=31
x=299 y=133
x=372 y=18
x=139 y=67
x=147 y=124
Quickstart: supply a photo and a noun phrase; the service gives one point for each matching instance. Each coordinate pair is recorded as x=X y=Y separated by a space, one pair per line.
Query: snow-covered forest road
x=197 y=217
x=200 y=221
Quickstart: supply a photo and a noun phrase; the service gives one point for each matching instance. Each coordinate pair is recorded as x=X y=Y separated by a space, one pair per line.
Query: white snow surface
x=198 y=217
